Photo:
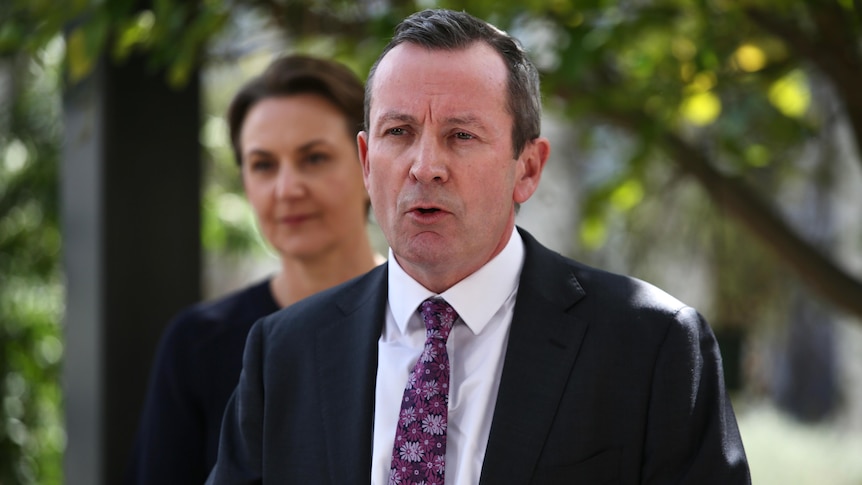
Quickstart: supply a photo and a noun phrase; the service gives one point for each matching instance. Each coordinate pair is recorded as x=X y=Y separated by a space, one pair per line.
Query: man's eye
x=395 y=131
x=463 y=136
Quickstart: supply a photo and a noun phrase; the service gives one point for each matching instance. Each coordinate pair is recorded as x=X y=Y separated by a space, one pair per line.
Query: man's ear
x=362 y=146
x=531 y=163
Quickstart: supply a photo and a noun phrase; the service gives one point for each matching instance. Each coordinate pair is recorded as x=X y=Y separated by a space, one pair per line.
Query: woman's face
x=302 y=175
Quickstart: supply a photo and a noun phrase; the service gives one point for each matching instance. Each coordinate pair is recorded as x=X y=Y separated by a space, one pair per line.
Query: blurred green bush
x=32 y=436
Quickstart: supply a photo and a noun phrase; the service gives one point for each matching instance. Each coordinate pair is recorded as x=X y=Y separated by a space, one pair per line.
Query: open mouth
x=427 y=210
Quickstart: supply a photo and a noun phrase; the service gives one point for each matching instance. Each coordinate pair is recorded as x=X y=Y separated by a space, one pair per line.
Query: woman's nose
x=288 y=182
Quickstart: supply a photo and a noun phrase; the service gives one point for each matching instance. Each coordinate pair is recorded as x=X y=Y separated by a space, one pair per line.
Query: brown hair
x=299 y=74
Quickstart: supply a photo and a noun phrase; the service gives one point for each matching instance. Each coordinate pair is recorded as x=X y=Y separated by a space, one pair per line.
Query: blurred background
x=710 y=147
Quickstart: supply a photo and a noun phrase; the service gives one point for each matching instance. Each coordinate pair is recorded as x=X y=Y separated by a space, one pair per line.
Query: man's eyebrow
x=396 y=116
x=467 y=120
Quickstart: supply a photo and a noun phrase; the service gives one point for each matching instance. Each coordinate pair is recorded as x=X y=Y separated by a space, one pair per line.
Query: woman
x=293 y=131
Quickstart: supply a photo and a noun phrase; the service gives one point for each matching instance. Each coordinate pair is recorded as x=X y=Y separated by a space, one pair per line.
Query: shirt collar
x=476 y=298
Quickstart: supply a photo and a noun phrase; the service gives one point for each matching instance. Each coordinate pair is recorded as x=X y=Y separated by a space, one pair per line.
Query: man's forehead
x=409 y=82
x=478 y=62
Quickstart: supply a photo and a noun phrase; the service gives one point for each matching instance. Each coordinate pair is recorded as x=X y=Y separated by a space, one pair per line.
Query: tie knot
x=439 y=317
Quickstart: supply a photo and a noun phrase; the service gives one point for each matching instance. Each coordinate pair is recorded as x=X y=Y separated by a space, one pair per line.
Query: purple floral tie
x=419 y=453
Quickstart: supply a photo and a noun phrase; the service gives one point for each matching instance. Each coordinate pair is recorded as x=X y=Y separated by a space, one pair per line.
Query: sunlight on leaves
x=80 y=61
x=85 y=45
x=215 y=133
x=757 y=155
x=50 y=350
x=702 y=82
x=791 y=94
x=701 y=109
x=16 y=156
x=627 y=195
x=136 y=33
x=232 y=209
x=687 y=71
x=749 y=58
x=53 y=52
x=683 y=49
x=228 y=222
x=642 y=59
x=178 y=73
x=593 y=232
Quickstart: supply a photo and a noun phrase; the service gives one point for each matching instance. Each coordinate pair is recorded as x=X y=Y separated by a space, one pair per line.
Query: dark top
x=197 y=366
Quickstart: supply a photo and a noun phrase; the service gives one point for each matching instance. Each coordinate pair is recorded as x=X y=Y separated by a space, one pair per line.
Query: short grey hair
x=439 y=29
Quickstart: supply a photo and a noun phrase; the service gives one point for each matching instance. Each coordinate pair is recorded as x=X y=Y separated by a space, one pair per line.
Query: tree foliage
x=731 y=95
x=724 y=92
x=31 y=434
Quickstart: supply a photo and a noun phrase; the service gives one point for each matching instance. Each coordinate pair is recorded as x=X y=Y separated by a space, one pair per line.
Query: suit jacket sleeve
x=240 y=445
x=691 y=434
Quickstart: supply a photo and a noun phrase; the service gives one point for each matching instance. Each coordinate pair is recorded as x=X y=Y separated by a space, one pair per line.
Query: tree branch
x=834 y=50
x=732 y=195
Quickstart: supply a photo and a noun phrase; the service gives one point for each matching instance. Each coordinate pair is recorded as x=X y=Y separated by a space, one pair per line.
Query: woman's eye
x=316 y=158
x=261 y=165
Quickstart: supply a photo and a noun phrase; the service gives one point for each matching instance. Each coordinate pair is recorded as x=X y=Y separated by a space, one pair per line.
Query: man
x=552 y=372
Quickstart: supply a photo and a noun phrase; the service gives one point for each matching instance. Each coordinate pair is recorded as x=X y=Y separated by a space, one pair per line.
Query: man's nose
x=429 y=161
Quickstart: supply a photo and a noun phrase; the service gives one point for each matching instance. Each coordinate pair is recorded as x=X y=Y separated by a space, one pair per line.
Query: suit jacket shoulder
x=569 y=281
x=329 y=307
x=608 y=379
x=302 y=411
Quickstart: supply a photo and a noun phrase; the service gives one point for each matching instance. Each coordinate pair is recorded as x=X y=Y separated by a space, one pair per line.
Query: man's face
x=437 y=160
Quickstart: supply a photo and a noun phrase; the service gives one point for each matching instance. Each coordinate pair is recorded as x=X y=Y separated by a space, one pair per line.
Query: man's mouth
x=428 y=210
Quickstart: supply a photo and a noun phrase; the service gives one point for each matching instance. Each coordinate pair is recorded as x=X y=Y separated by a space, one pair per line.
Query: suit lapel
x=543 y=345
x=346 y=359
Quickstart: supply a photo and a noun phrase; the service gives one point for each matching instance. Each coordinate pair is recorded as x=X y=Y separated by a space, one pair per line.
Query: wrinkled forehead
x=412 y=78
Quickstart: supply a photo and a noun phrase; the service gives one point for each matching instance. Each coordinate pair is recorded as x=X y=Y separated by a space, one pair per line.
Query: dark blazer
x=606 y=379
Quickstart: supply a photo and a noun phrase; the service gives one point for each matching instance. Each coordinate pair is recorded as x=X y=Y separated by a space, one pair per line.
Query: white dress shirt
x=485 y=301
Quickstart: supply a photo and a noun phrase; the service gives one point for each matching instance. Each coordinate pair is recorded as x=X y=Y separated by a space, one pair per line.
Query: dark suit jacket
x=606 y=379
